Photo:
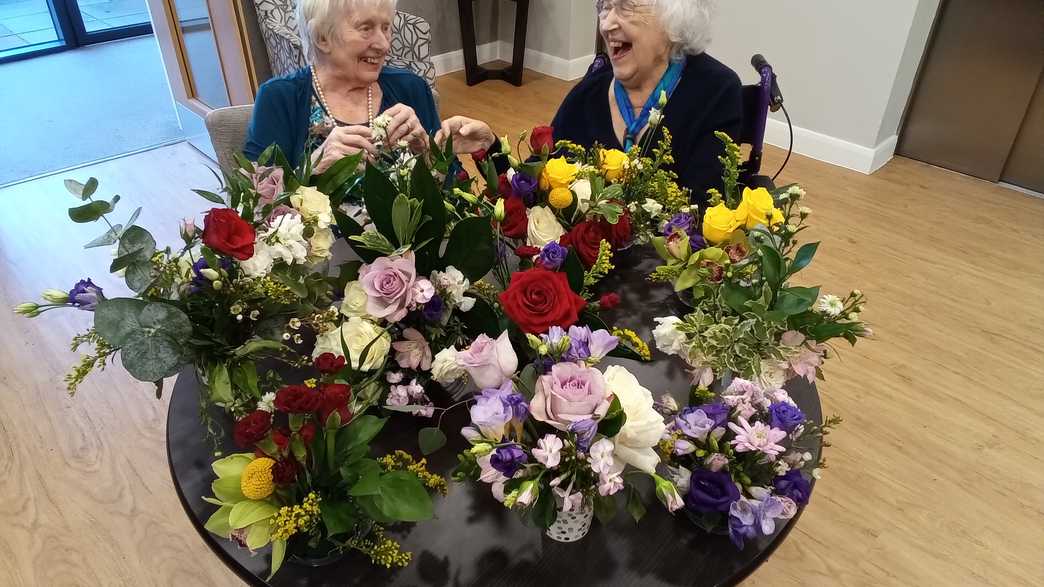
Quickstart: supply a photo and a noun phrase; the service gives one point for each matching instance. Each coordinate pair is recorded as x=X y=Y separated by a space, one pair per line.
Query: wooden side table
x=474 y=72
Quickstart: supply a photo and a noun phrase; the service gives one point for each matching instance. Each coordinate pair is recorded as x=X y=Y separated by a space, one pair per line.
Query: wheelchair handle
x=768 y=78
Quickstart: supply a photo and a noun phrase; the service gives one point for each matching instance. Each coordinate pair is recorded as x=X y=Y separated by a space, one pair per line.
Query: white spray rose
x=354 y=303
x=644 y=426
x=543 y=227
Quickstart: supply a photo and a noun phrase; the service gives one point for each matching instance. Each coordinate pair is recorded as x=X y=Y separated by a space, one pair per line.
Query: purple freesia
x=585 y=431
x=710 y=491
x=601 y=344
x=85 y=295
x=508 y=459
x=553 y=255
x=579 y=337
x=524 y=187
x=786 y=416
x=694 y=423
x=718 y=412
x=743 y=516
x=794 y=486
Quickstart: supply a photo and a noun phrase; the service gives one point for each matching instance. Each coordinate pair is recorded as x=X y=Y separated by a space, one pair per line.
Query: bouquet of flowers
x=310 y=487
x=734 y=268
x=742 y=459
x=554 y=439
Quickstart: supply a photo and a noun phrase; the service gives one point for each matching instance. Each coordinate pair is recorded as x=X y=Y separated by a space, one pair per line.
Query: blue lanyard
x=668 y=83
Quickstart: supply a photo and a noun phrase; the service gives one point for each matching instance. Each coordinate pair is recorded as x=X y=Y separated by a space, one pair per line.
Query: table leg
x=475 y=73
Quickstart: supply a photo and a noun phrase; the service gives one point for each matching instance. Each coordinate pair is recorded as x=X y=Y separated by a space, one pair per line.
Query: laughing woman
x=330 y=105
x=653 y=45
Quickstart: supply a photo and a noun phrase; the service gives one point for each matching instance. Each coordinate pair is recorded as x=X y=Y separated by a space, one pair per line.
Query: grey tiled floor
x=28 y=22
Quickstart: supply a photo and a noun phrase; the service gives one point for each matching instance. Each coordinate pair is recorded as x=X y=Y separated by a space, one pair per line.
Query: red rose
x=297 y=399
x=542 y=140
x=281 y=438
x=538 y=299
x=609 y=301
x=335 y=397
x=479 y=156
x=307 y=432
x=329 y=363
x=251 y=428
x=284 y=472
x=227 y=233
x=618 y=234
x=462 y=175
x=504 y=186
x=516 y=221
x=527 y=252
x=585 y=238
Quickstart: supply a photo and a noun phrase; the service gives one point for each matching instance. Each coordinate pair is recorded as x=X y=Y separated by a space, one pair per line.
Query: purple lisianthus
x=524 y=187
x=718 y=412
x=785 y=416
x=684 y=222
x=694 y=423
x=794 y=486
x=711 y=492
x=585 y=432
x=85 y=295
x=432 y=311
x=553 y=255
x=508 y=459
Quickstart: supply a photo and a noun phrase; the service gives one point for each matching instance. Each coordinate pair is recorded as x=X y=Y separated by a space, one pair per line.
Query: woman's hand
x=469 y=135
x=342 y=142
x=406 y=126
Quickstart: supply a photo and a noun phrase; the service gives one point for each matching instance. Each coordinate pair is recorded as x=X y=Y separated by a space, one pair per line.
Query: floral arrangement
x=742 y=459
x=310 y=487
x=554 y=439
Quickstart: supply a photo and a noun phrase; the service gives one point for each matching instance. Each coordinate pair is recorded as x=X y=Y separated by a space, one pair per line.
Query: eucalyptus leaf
x=431 y=440
x=116 y=319
x=92 y=211
x=109 y=238
x=133 y=217
x=139 y=276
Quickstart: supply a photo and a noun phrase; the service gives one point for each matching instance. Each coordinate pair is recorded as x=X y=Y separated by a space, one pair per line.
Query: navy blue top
x=283 y=109
x=708 y=98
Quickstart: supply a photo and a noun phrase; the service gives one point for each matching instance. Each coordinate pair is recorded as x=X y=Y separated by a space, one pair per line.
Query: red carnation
x=585 y=238
x=281 y=438
x=608 y=301
x=516 y=220
x=227 y=233
x=297 y=399
x=251 y=428
x=479 y=156
x=284 y=472
x=329 y=363
x=538 y=299
x=307 y=432
x=618 y=234
x=504 y=186
x=542 y=140
x=527 y=252
x=335 y=397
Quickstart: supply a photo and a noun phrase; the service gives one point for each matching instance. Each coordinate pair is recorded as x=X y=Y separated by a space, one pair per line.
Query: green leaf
x=574 y=271
x=110 y=237
x=219 y=384
x=278 y=553
x=400 y=216
x=338 y=517
x=772 y=266
x=369 y=482
x=404 y=498
x=481 y=319
x=244 y=376
x=227 y=489
x=803 y=257
x=116 y=319
x=249 y=511
x=471 y=248
x=133 y=217
x=433 y=231
x=93 y=211
x=359 y=433
x=431 y=440
x=635 y=507
x=136 y=241
x=795 y=300
x=211 y=196
x=139 y=276
x=257 y=346
x=218 y=522
x=605 y=508
x=544 y=510
x=614 y=419
x=379 y=193
x=736 y=296
x=527 y=380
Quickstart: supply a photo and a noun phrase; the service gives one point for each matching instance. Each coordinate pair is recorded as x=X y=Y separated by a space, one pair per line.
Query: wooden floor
x=936 y=477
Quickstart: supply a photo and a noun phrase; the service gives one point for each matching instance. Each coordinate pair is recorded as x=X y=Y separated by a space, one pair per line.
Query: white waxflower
x=830 y=305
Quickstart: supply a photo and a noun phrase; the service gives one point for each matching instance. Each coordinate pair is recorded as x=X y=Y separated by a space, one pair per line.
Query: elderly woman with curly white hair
x=329 y=107
x=653 y=46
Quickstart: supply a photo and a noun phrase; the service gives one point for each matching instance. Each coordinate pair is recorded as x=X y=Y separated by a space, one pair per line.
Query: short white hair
x=317 y=19
x=688 y=24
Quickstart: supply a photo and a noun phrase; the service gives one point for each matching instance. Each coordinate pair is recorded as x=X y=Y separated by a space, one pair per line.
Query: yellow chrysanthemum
x=560 y=198
x=256 y=482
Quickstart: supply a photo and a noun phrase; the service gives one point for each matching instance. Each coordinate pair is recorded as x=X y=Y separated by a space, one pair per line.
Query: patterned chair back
x=277 y=19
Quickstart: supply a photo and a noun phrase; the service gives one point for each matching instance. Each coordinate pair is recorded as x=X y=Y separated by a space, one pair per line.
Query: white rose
x=260 y=264
x=667 y=336
x=652 y=207
x=644 y=426
x=320 y=244
x=354 y=304
x=582 y=189
x=357 y=334
x=773 y=375
x=313 y=204
x=543 y=227
x=444 y=367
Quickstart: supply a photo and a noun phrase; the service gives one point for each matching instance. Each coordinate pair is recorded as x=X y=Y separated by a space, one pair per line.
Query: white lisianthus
x=652 y=207
x=260 y=264
x=644 y=425
x=668 y=338
x=357 y=334
x=830 y=305
x=543 y=227
x=655 y=117
x=582 y=189
x=354 y=303
x=313 y=205
x=444 y=367
x=320 y=244
x=452 y=284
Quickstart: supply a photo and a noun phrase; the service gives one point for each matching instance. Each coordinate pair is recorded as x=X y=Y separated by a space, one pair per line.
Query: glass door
x=34 y=27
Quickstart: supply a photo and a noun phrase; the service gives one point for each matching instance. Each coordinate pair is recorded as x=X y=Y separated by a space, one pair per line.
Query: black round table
x=473 y=539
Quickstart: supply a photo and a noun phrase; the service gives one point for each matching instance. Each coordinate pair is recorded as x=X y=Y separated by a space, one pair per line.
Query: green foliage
x=430 y=440
x=151 y=336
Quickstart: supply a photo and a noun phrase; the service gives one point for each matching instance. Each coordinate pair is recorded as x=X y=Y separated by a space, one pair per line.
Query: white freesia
x=543 y=227
x=668 y=338
x=444 y=367
x=354 y=303
x=357 y=334
x=582 y=189
x=644 y=425
x=313 y=205
x=652 y=207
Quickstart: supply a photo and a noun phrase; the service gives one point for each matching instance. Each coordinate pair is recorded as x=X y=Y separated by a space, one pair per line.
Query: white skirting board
x=566 y=69
x=832 y=149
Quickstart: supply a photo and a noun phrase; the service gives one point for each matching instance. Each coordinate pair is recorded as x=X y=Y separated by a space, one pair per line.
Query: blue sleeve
x=271 y=122
x=424 y=106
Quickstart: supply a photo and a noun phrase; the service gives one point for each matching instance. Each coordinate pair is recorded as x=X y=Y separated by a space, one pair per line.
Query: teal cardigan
x=283 y=108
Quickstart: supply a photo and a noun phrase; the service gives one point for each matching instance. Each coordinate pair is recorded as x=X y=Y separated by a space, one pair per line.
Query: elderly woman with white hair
x=654 y=46
x=329 y=107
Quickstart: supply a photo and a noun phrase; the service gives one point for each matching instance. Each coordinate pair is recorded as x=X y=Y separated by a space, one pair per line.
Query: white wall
x=560 y=38
x=845 y=68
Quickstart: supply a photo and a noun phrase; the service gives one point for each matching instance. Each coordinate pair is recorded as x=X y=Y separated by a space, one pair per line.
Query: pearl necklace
x=322 y=98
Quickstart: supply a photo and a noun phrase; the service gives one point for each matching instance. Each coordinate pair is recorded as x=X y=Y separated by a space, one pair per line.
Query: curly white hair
x=688 y=24
x=318 y=19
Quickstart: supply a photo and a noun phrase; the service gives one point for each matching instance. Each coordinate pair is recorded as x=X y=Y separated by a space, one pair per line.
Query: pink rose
x=414 y=352
x=570 y=393
x=389 y=286
x=268 y=183
x=489 y=362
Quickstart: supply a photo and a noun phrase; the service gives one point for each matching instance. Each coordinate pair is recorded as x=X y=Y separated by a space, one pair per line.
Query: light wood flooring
x=935 y=478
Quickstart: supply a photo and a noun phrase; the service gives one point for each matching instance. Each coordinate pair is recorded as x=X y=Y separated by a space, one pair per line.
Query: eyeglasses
x=624 y=8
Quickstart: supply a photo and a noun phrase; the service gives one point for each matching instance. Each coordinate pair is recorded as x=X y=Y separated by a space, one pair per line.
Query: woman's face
x=634 y=36
x=360 y=44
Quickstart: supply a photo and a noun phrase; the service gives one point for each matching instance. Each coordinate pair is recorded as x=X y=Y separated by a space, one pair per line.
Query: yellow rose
x=560 y=198
x=719 y=223
x=313 y=205
x=614 y=163
x=758 y=207
x=559 y=173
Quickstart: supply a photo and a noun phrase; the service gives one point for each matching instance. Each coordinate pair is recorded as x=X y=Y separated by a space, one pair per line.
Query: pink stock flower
x=414 y=352
x=758 y=437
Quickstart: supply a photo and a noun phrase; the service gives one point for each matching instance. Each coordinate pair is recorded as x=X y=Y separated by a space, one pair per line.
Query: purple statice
x=786 y=416
x=85 y=295
x=585 y=431
x=711 y=491
x=718 y=412
x=432 y=310
x=524 y=187
x=508 y=459
x=553 y=255
x=794 y=486
x=694 y=423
